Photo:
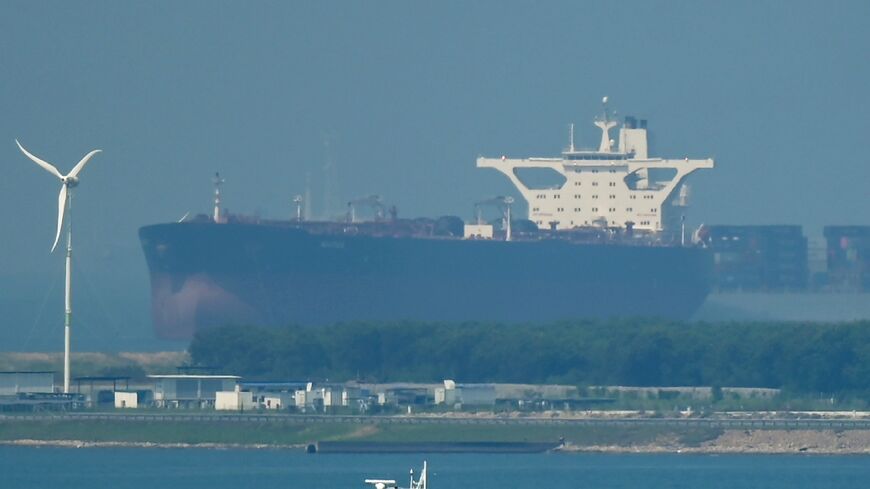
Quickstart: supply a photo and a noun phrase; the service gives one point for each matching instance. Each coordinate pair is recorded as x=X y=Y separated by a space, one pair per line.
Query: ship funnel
x=605 y=124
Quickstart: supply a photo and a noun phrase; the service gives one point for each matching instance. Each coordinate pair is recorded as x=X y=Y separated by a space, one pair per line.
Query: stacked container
x=758 y=258
x=848 y=257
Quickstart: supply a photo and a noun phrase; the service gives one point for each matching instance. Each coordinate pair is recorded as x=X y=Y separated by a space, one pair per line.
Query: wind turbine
x=68 y=181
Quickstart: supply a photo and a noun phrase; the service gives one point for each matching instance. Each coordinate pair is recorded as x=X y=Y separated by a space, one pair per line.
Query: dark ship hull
x=205 y=274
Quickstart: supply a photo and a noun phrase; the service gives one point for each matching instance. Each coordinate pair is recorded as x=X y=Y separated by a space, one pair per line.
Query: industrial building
x=235 y=400
x=186 y=390
x=469 y=395
x=101 y=390
x=34 y=391
x=126 y=400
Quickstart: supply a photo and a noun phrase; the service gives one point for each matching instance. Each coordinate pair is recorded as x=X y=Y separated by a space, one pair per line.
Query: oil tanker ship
x=604 y=238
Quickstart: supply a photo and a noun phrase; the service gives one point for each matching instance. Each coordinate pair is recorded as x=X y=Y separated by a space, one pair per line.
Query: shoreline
x=27 y=442
x=729 y=442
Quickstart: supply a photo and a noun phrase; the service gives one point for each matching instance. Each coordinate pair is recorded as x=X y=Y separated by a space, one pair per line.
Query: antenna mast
x=218 y=181
x=298 y=200
x=571 y=139
x=507 y=213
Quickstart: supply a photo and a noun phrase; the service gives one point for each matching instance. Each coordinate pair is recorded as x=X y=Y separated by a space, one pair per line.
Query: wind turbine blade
x=61 y=209
x=48 y=166
x=81 y=164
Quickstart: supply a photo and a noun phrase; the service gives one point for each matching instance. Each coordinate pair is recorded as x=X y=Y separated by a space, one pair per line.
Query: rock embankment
x=751 y=441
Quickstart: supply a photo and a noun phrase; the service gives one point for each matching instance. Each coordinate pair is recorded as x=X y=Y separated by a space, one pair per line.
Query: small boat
x=420 y=483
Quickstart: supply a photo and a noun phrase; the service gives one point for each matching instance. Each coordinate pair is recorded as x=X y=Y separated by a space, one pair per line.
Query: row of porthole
x=586 y=223
x=613 y=223
x=580 y=170
x=594 y=209
x=577 y=196
x=594 y=184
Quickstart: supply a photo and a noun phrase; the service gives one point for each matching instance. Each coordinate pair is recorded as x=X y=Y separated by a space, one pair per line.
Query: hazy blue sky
x=408 y=94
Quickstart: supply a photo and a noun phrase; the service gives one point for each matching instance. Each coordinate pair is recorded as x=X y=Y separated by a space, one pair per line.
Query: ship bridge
x=618 y=187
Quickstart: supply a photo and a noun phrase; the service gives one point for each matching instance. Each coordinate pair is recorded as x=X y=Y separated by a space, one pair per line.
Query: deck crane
x=372 y=201
x=503 y=204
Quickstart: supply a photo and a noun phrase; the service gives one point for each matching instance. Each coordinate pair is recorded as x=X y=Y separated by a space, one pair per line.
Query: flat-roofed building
x=126 y=400
x=236 y=400
x=184 y=390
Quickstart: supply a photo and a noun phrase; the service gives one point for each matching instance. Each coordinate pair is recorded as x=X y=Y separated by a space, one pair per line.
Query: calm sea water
x=218 y=469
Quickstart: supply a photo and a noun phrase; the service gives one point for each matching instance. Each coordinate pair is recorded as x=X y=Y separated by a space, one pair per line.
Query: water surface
x=27 y=467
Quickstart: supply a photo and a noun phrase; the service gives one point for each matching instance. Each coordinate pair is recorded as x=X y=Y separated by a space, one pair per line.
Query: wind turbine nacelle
x=71 y=181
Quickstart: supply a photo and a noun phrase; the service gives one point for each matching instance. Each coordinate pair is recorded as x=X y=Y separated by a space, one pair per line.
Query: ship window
x=594 y=171
x=576 y=184
x=577 y=196
x=557 y=196
x=653 y=210
x=595 y=209
x=612 y=196
x=576 y=209
x=612 y=184
x=632 y=197
x=612 y=171
x=612 y=209
x=536 y=209
x=594 y=184
x=560 y=209
x=629 y=209
x=540 y=178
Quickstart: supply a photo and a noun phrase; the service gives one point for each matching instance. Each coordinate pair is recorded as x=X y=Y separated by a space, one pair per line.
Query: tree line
x=798 y=357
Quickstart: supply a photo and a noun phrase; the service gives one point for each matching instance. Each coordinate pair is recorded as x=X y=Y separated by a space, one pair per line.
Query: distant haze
x=400 y=97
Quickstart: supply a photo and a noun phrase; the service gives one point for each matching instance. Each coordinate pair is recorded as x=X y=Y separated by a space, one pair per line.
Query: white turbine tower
x=68 y=181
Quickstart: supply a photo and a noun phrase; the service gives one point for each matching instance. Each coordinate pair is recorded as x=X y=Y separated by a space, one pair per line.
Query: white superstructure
x=620 y=187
